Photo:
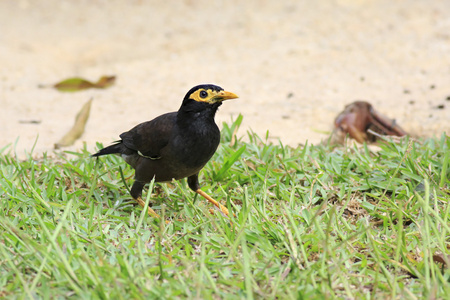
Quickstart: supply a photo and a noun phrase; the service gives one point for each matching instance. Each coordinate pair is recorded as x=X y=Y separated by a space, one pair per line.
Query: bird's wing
x=149 y=138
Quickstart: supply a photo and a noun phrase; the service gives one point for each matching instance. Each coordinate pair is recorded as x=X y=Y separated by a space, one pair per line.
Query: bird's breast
x=194 y=149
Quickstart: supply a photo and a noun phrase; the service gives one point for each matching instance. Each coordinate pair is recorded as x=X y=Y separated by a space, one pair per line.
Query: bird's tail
x=113 y=149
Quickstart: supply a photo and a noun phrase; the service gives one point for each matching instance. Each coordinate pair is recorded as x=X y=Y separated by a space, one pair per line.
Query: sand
x=294 y=64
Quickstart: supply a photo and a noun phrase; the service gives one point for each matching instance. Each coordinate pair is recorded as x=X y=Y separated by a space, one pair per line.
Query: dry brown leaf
x=78 y=128
x=360 y=121
x=105 y=81
x=441 y=258
x=250 y=165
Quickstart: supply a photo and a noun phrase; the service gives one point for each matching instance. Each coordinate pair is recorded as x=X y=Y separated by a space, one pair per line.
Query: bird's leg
x=194 y=185
x=222 y=208
x=136 y=193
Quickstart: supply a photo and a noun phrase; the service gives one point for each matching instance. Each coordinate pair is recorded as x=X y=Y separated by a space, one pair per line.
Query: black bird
x=174 y=145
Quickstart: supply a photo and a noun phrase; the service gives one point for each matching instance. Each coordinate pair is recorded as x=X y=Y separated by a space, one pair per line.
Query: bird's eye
x=203 y=94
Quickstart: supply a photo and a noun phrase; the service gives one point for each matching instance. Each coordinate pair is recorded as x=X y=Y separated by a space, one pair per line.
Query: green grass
x=310 y=222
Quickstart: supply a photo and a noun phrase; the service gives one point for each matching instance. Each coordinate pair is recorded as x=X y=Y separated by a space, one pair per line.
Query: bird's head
x=205 y=95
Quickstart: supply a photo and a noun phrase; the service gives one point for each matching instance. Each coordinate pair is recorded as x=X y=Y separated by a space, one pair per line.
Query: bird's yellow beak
x=222 y=96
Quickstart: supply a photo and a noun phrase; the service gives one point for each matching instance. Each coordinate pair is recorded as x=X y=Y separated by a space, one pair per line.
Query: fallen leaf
x=441 y=258
x=250 y=165
x=78 y=128
x=363 y=123
x=105 y=81
x=78 y=84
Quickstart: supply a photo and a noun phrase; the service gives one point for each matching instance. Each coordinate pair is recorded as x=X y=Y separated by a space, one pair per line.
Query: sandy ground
x=294 y=64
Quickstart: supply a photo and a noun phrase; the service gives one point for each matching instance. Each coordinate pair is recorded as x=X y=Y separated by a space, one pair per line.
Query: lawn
x=310 y=222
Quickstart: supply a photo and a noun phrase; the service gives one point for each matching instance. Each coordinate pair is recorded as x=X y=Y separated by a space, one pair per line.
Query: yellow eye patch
x=203 y=95
x=211 y=96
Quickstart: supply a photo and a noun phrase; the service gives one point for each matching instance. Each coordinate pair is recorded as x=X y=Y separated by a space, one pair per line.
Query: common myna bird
x=174 y=145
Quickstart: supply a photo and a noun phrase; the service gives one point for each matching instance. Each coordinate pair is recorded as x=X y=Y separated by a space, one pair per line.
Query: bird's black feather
x=116 y=148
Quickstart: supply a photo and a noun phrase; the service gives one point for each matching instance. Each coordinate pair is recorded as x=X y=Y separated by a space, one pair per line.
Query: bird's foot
x=151 y=212
x=213 y=210
x=222 y=208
